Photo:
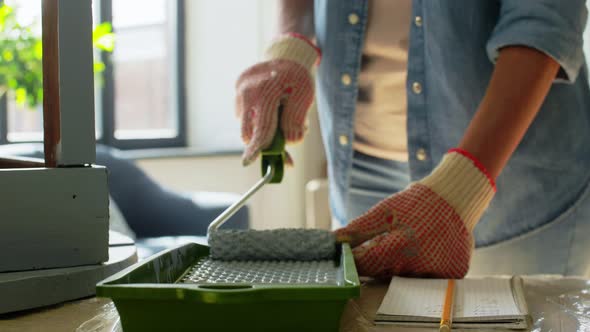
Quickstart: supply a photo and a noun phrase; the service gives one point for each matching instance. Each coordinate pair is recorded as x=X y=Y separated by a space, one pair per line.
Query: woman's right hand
x=283 y=78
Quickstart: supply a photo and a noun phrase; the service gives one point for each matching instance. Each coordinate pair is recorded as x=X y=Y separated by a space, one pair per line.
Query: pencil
x=447 y=312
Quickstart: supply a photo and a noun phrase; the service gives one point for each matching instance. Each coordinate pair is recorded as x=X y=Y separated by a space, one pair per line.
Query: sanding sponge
x=276 y=244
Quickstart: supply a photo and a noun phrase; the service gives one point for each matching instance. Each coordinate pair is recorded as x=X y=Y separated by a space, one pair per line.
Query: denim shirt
x=452 y=50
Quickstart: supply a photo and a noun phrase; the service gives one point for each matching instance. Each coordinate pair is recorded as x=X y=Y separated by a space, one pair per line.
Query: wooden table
x=540 y=292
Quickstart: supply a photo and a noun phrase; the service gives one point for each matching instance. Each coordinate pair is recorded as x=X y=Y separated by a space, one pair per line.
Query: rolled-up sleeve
x=554 y=27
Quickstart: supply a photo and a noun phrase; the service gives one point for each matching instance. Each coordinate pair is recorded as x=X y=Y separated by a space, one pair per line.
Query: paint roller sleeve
x=277 y=244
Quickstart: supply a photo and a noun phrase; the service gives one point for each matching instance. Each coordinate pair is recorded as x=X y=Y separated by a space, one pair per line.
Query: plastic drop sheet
x=559 y=304
x=106 y=320
x=556 y=305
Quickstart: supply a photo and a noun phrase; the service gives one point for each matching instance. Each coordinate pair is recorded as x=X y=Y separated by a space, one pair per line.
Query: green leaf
x=106 y=43
x=7 y=55
x=39 y=50
x=99 y=67
x=12 y=83
x=5 y=12
x=103 y=37
x=21 y=96
x=101 y=29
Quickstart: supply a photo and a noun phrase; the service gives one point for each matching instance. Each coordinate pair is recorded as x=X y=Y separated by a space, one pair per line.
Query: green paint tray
x=182 y=289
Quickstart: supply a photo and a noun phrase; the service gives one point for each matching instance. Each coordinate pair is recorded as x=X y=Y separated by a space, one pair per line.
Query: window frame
x=106 y=92
x=107 y=95
x=3 y=119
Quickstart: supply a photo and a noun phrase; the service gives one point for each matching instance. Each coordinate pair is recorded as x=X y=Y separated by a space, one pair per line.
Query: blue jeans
x=373 y=179
x=561 y=246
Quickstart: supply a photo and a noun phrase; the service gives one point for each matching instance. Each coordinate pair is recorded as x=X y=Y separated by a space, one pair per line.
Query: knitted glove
x=425 y=230
x=284 y=77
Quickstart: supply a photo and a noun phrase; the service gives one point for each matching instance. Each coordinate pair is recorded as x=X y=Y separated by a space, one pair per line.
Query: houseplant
x=21 y=56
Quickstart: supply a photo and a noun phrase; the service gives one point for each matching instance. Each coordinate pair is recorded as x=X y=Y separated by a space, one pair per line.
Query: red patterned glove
x=285 y=76
x=425 y=230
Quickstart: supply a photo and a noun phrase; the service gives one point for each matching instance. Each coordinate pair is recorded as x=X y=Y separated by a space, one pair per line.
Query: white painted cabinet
x=57 y=215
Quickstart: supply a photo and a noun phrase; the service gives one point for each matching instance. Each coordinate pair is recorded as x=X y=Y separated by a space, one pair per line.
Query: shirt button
x=353 y=19
x=343 y=140
x=417 y=88
x=418 y=21
x=346 y=79
x=421 y=154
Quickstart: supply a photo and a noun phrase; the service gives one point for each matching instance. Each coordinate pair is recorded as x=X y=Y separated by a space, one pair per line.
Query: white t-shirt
x=380 y=120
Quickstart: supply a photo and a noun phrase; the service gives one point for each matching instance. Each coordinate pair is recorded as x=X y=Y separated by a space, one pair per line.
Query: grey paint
x=53 y=217
x=274 y=244
x=76 y=79
x=32 y=289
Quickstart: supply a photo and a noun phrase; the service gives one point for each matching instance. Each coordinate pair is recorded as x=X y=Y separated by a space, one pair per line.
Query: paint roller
x=276 y=244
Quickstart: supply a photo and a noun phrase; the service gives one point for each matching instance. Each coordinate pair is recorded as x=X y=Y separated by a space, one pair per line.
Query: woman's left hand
x=426 y=229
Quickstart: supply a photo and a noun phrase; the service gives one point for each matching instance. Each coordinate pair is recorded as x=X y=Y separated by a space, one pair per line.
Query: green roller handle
x=273 y=161
x=274 y=156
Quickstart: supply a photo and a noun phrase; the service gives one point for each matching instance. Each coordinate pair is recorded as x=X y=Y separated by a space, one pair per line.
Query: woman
x=483 y=82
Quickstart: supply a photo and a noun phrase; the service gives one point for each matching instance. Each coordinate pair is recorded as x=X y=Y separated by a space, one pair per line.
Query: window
x=21 y=122
x=140 y=95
